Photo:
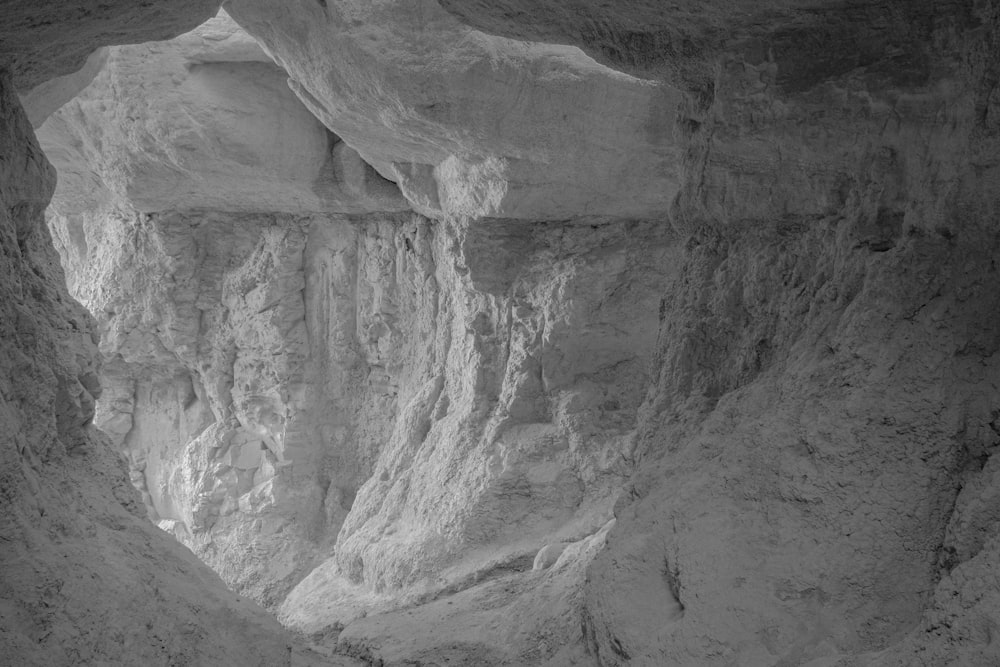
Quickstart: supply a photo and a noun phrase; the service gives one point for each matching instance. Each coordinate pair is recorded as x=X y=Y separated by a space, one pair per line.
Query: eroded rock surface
x=203 y=121
x=84 y=578
x=279 y=378
x=796 y=497
x=505 y=392
x=469 y=124
x=184 y=226
x=692 y=361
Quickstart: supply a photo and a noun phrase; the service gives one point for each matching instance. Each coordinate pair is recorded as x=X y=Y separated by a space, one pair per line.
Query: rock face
x=275 y=374
x=686 y=353
x=84 y=578
x=505 y=413
x=204 y=121
x=824 y=418
x=470 y=124
x=184 y=224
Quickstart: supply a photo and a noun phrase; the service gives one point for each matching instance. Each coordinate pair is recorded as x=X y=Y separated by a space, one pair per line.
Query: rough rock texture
x=203 y=121
x=189 y=179
x=47 y=97
x=470 y=124
x=84 y=578
x=825 y=367
x=268 y=374
x=501 y=421
x=682 y=42
x=697 y=368
x=42 y=40
x=272 y=375
x=796 y=504
x=827 y=372
x=510 y=619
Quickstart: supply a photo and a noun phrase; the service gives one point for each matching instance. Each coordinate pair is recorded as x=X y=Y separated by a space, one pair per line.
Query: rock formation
x=473 y=125
x=84 y=577
x=541 y=333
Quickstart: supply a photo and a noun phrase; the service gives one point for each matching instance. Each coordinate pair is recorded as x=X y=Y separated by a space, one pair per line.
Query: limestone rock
x=203 y=328
x=520 y=618
x=816 y=406
x=269 y=373
x=824 y=371
x=682 y=42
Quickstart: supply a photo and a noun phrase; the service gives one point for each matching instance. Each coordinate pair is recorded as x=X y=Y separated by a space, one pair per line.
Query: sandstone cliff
x=676 y=344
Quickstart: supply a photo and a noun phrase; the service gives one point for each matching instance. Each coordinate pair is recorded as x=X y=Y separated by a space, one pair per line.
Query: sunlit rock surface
x=687 y=356
x=190 y=177
x=204 y=121
x=273 y=375
x=471 y=124
x=84 y=577
x=502 y=386
x=797 y=471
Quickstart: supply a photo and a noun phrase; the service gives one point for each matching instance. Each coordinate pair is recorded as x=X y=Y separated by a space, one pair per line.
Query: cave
x=449 y=332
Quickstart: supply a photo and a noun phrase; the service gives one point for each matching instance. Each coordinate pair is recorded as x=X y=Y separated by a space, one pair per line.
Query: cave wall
x=274 y=361
x=687 y=354
x=825 y=411
x=820 y=429
x=286 y=372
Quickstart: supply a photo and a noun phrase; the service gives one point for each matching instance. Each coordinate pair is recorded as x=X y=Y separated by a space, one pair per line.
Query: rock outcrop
x=672 y=340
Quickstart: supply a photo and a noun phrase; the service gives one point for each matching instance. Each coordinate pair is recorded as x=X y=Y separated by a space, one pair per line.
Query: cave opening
x=447 y=333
